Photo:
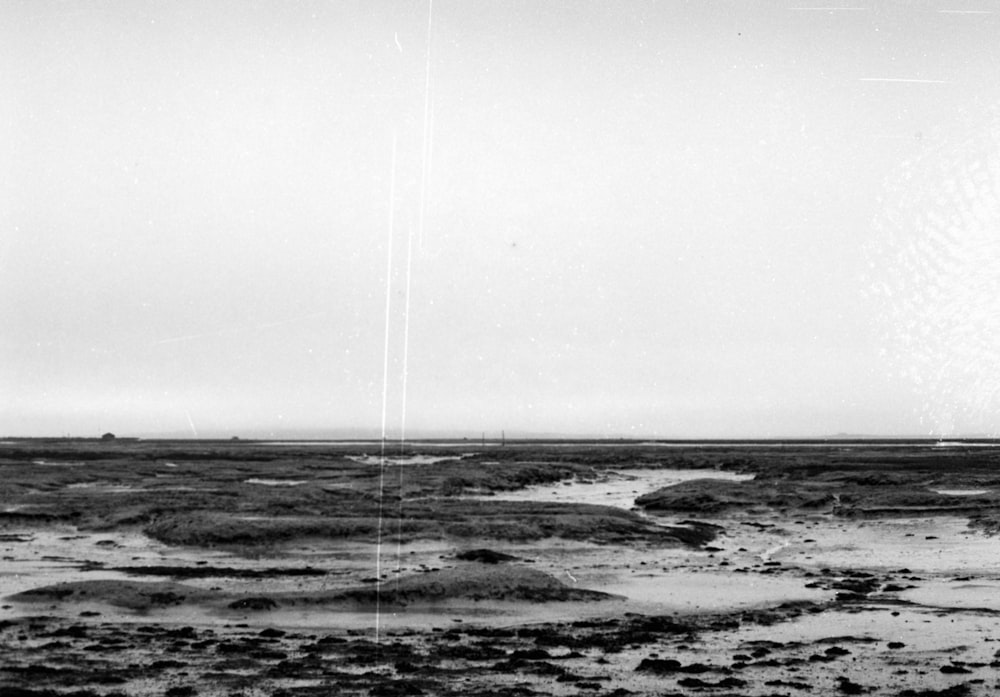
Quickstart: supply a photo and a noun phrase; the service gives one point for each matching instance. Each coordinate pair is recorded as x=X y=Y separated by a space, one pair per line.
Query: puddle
x=365 y=443
x=969 y=595
x=617 y=488
x=924 y=545
x=409 y=460
x=430 y=615
x=690 y=591
x=276 y=482
x=106 y=487
x=56 y=555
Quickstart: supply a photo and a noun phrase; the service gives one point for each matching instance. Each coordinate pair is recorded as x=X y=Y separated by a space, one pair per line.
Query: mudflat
x=247 y=568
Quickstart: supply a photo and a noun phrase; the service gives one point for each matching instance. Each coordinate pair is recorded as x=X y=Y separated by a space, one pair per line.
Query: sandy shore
x=746 y=572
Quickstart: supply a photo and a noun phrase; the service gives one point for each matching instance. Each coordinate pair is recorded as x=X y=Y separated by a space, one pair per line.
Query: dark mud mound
x=437 y=519
x=208 y=529
x=708 y=496
x=216 y=571
x=469 y=582
x=844 y=493
x=474 y=582
x=134 y=595
x=695 y=533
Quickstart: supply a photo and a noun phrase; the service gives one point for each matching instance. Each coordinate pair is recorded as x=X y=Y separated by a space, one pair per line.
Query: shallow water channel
x=617 y=488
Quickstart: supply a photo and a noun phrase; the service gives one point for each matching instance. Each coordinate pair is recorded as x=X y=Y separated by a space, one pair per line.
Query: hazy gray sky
x=674 y=219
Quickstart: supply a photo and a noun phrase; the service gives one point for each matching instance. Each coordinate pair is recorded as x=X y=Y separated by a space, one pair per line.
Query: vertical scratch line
x=385 y=390
x=402 y=419
x=430 y=143
x=409 y=264
x=191 y=422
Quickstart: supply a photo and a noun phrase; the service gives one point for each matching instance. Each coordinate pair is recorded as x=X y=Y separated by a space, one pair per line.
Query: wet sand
x=748 y=572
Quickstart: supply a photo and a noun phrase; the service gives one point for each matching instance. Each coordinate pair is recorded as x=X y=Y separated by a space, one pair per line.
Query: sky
x=641 y=219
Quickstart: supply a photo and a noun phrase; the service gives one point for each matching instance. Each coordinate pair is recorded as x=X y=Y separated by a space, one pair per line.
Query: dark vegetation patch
x=418 y=519
x=135 y=595
x=853 y=483
x=201 y=493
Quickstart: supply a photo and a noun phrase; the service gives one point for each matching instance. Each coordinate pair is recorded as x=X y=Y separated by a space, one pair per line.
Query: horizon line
x=541 y=437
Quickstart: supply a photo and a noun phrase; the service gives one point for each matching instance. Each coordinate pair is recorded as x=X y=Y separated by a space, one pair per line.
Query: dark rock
x=181 y=633
x=850 y=597
x=960 y=690
x=77 y=631
x=659 y=624
x=235 y=648
x=849 y=688
x=894 y=588
x=181 y=691
x=659 y=665
x=465 y=652
x=253 y=604
x=954 y=669
x=485 y=556
x=395 y=688
x=535 y=667
x=722 y=684
x=696 y=668
x=861 y=586
x=166 y=664
x=788 y=683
